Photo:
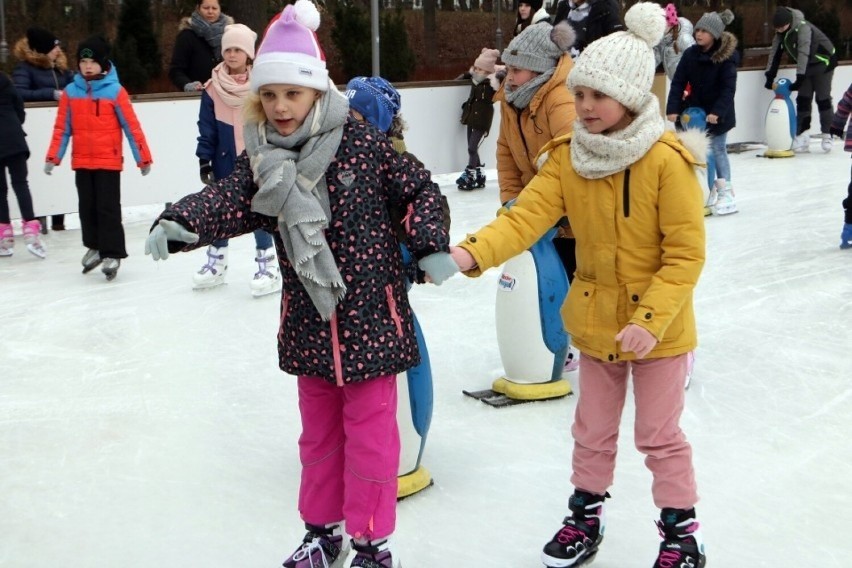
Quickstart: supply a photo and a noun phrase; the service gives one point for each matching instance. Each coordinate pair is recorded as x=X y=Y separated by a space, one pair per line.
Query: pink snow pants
x=658 y=390
x=349 y=450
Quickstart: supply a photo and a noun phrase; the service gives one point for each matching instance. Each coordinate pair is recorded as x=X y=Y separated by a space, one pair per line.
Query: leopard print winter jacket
x=371 y=333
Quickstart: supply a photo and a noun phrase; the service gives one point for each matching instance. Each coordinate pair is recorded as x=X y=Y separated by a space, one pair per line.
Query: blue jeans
x=262 y=240
x=720 y=154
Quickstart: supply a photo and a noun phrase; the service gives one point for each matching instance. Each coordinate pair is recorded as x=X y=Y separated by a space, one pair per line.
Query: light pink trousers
x=349 y=450
x=658 y=390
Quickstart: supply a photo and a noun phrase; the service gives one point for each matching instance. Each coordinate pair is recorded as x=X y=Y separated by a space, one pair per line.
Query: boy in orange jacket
x=96 y=109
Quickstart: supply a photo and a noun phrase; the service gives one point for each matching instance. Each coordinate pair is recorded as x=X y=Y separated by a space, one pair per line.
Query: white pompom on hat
x=621 y=65
x=290 y=53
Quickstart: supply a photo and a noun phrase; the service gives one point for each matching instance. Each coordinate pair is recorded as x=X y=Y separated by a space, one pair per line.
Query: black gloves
x=836 y=132
x=770 y=79
x=797 y=83
x=205 y=171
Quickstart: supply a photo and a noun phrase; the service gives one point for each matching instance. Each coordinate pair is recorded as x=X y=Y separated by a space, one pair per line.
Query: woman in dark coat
x=40 y=75
x=198 y=47
x=13 y=156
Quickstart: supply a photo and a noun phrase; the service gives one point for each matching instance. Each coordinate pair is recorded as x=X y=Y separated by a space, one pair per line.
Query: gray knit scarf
x=211 y=33
x=290 y=174
x=595 y=156
x=521 y=96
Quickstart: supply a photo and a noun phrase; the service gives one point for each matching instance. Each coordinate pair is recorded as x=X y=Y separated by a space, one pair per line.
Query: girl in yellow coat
x=631 y=194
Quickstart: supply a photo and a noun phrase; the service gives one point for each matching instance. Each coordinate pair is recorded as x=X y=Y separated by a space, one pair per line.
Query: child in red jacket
x=96 y=109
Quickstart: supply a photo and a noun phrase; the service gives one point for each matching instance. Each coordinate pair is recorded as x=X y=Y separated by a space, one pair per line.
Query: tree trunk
x=447 y=5
x=252 y=14
x=430 y=31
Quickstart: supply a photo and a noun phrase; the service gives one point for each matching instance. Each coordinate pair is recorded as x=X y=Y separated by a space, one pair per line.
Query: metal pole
x=499 y=34
x=4 y=47
x=374 y=28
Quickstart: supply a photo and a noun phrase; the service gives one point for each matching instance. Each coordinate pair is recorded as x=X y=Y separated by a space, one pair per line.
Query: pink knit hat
x=239 y=36
x=290 y=53
x=487 y=59
x=671 y=16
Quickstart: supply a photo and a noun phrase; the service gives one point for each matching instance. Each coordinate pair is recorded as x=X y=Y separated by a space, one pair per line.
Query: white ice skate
x=725 y=203
x=826 y=143
x=31 y=238
x=267 y=279
x=802 y=143
x=213 y=272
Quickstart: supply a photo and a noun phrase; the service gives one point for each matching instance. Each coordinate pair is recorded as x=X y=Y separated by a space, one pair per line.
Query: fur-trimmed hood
x=727 y=47
x=186 y=22
x=24 y=52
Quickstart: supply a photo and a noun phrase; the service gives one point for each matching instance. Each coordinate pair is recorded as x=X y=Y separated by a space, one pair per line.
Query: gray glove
x=438 y=267
x=192 y=87
x=57 y=94
x=205 y=171
x=157 y=243
x=48 y=167
x=145 y=170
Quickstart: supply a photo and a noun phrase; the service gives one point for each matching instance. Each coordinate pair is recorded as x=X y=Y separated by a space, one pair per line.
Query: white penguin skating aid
x=531 y=336
x=780 y=123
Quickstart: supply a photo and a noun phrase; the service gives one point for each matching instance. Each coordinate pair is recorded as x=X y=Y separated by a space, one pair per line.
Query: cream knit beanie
x=621 y=65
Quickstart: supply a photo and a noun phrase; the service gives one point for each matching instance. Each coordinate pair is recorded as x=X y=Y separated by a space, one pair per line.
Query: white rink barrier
x=432 y=111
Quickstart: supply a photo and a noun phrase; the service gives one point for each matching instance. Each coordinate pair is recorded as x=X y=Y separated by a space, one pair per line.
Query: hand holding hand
x=438 y=267
x=797 y=83
x=48 y=167
x=637 y=339
x=205 y=171
x=464 y=259
x=157 y=243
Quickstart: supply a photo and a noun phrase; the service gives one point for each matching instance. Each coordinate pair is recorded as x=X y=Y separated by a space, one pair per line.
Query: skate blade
x=89 y=267
x=583 y=561
x=38 y=251
x=260 y=292
x=207 y=286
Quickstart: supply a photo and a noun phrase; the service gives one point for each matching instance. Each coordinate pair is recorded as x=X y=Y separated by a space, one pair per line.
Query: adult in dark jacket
x=710 y=69
x=40 y=75
x=13 y=157
x=198 y=46
x=591 y=20
x=815 y=59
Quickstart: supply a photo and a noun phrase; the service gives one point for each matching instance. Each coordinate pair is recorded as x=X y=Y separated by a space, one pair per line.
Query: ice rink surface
x=146 y=424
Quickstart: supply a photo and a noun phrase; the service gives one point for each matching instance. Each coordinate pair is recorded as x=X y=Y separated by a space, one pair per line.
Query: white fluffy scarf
x=595 y=156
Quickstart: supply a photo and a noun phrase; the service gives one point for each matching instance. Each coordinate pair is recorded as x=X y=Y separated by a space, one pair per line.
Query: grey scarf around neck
x=290 y=174
x=520 y=97
x=211 y=33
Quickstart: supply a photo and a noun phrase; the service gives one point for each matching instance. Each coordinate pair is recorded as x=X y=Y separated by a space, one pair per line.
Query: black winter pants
x=17 y=166
x=99 y=194
x=816 y=85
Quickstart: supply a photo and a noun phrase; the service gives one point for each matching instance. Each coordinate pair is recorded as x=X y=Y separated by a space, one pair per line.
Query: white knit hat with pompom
x=622 y=64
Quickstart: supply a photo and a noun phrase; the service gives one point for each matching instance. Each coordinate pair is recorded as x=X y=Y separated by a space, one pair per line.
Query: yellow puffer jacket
x=549 y=115
x=640 y=245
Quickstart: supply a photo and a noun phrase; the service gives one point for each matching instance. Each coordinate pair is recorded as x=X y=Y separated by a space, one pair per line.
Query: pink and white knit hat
x=290 y=53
